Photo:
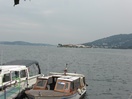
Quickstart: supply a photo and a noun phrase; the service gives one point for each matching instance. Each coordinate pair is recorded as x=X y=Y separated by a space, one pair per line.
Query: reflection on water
x=108 y=72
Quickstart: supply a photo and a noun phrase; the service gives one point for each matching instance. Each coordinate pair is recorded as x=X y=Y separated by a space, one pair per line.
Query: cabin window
x=15 y=74
x=76 y=84
x=72 y=86
x=33 y=70
x=41 y=83
x=63 y=86
x=23 y=73
x=84 y=80
x=66 y=86
x=6 y=77
x=60 y=85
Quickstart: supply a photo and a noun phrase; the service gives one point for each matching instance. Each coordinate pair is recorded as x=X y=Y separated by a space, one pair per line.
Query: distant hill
x=121 y=41
x=23 y=43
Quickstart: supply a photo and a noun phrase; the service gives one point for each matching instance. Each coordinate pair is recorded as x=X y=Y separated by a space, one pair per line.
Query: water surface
x=108 y=71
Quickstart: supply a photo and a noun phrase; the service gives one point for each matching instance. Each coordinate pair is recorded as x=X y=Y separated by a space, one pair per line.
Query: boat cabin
x=58 y=83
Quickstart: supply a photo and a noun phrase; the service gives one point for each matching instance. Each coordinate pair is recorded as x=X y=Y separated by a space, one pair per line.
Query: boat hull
x=46 y=97
x=73 y=96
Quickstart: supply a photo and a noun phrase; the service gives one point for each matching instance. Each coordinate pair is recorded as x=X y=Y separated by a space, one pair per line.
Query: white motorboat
x=16 y=76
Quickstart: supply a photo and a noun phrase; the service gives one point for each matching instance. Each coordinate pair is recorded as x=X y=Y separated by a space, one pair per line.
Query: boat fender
x=79 y=91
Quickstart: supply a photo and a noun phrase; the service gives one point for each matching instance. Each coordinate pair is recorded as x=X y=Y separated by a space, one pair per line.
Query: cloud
x=68 y=21
x=48 y=12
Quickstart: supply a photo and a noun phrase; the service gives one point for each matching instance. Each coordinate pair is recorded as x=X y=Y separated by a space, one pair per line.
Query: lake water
x=108 y=71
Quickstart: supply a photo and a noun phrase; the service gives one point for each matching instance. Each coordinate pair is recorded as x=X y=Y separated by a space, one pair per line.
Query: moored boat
x=58 y=86
x=16 y=76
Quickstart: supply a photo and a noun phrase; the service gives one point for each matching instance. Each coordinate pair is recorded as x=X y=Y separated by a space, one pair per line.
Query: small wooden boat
x=58 y=86
x=17 y=75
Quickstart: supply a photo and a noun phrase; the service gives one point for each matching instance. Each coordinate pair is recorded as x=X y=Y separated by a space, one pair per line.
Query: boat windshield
x=41 y=83
x=62 y=86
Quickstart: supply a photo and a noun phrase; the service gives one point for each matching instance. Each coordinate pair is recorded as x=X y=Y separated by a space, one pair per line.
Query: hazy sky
x=64 y=21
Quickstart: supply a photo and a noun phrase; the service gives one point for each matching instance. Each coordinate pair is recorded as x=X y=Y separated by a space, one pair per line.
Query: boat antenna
x=65 y=70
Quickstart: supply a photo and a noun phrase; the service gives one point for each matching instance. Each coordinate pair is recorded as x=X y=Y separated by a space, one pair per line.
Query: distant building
x=73 y=46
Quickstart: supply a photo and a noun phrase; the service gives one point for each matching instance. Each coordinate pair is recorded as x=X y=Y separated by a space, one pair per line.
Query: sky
x=64 y=21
